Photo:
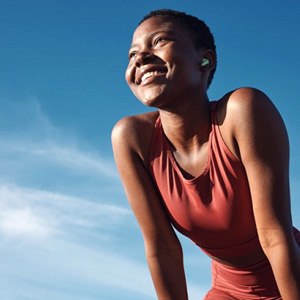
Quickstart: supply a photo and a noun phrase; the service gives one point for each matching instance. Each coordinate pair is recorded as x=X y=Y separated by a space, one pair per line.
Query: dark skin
x=165 y=72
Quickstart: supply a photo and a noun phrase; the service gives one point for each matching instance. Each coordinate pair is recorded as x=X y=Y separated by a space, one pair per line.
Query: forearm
x=286 y=268
x=168 y=276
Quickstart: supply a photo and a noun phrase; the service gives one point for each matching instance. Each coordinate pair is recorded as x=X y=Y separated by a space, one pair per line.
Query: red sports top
x=214 y=209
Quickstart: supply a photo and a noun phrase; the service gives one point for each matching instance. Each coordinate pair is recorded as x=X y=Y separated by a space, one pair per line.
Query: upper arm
x=140 y=190
x=264 y=150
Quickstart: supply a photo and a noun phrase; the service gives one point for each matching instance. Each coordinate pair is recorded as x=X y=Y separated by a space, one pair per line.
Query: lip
x=139 y=73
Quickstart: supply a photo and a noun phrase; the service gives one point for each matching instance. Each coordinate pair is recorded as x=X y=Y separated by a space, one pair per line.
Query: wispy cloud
x=47 y=234
x=62 y=154
x=22 y=222
x=27 y=134
x=29 y=212
x=25 y=117
x=56 y=241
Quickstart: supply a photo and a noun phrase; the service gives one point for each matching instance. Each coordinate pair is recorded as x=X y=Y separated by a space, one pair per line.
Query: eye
x=132 y=54
x=159 y=40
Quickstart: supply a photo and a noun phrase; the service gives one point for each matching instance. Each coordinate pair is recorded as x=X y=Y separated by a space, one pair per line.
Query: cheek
x=127 y=76
x=129 y=81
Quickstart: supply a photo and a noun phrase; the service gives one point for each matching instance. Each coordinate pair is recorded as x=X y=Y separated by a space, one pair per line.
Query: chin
x=154 y=101
x=151 y=102
x=153 y=97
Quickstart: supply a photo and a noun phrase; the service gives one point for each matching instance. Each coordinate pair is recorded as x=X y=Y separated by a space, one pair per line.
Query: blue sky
x=66 y=231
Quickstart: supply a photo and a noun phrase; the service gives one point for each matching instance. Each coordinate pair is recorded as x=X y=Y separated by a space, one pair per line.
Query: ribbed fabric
x=255 y=282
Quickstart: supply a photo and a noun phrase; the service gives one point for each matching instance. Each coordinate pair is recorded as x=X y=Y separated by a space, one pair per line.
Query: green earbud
x=205 y=62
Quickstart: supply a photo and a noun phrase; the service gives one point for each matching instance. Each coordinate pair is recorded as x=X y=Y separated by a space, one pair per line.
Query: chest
x=193 y=164
x=212 y=209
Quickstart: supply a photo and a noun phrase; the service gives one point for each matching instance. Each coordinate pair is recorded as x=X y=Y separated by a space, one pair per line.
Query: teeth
x=150 y=74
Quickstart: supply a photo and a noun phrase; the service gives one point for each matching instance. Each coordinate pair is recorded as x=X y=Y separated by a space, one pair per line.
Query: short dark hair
x=200 y=32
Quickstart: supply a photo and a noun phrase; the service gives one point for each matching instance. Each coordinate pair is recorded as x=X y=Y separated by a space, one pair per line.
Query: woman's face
x=163 y=64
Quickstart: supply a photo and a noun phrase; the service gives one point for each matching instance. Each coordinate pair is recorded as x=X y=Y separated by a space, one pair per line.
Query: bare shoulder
x=134 y=133
x=250 y=104
x=246 y=100
x=248 y=113
x=244 y=105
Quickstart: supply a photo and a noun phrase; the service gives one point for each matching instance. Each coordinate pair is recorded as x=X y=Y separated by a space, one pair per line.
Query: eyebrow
x=151 y=35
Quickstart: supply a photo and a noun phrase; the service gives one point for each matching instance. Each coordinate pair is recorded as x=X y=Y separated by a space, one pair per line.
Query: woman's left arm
x=263 y=147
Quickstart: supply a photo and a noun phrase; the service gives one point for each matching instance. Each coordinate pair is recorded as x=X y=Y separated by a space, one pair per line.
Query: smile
x=147 y=73
x=151 y=74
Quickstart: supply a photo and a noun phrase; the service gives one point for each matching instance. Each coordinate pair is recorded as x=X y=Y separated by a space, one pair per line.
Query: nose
x=142 y=58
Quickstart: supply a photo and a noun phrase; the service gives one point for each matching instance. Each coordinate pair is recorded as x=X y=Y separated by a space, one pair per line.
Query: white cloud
x=71 y=157
x=47 y=234
x=27 y=134
x=32 y=212
x=57 y=153
x=26 y=116
x=22 y=222
x=61 y=242
x=61 y=265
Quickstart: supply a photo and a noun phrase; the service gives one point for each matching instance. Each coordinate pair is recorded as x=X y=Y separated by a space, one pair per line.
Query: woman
x=217 y=171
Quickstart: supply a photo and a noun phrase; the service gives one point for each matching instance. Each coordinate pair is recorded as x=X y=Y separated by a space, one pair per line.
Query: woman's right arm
x=162 y=247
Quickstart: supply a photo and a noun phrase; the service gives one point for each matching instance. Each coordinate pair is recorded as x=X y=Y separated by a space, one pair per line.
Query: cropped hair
x=200 y=32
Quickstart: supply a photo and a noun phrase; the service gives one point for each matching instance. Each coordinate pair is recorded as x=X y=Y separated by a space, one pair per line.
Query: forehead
x=157 y=24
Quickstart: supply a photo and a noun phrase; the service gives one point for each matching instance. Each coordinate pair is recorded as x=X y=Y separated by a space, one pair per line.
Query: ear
x=207 y=59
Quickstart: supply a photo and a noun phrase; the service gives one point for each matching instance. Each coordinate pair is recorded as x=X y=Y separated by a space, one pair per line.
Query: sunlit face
x=163 y=63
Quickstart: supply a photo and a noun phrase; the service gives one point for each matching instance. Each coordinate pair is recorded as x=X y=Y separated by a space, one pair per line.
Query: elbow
x=268 y=244
x=164 y=252
x=276 y=246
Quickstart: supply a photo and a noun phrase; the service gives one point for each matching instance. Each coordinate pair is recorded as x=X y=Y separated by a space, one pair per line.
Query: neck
x=188 y=126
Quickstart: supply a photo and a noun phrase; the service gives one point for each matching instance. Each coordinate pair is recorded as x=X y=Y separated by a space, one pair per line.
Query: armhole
x=218 y=132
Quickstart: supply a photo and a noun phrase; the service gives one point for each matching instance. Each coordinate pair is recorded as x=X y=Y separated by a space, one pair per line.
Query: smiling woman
x=217 y=171
x=165 y=55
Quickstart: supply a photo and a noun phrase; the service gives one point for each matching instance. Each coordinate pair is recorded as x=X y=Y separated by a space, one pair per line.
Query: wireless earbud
x=205 y=62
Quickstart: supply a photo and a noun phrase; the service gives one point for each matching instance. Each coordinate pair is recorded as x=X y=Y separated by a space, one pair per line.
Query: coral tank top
x=214 y=209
